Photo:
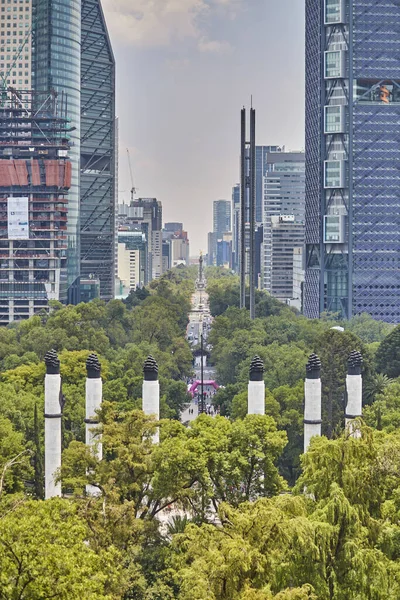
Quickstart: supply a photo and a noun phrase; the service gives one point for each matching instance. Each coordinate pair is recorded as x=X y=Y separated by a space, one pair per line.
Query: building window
x=335 y=119
x=335 y=66
x=334 y=229
x=334 y=11
x=334 y=176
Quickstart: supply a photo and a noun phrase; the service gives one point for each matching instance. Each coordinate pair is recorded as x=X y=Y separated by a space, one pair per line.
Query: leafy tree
x=334 y=348
x=384 y=413
x=376 y=386
x=367 y=329
x=388 y=354
x=223 y=294
x=223 y=399
x=14 y=459
x=44 y=554
x=136 y=297
x=249 y=555
x=210 y=462
x=176 y=397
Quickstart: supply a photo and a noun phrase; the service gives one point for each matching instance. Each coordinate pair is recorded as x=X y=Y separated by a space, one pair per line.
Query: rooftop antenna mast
x=133 y=189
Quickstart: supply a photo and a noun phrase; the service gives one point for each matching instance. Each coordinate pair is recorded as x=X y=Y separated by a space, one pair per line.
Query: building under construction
x=35 y=176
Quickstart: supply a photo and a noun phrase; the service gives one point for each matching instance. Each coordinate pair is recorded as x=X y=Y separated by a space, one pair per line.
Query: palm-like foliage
x=376 y=387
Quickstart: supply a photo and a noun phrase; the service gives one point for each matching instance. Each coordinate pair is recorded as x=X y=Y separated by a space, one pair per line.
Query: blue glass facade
x=57 y=65
x=98 y=150
x=353 y=154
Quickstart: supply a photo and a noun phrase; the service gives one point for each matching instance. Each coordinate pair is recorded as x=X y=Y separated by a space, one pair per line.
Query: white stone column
x=151 y=392
x=52 y=425
x=94 y=397
x=256 y=389
x=312 y=404
x=354 y=392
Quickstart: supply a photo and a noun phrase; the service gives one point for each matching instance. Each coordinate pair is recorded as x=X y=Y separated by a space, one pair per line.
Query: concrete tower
x=94 y=396
x=151 y=392
x=52 y=424
x=312 y=406
x=256 y=390
x=354 y=391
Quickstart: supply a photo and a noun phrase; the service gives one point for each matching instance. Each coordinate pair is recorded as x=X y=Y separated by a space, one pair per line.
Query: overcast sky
x=184 y=70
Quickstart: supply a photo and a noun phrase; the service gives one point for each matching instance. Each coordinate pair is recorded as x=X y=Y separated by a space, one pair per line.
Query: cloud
x=161 y=23
x=206 y=45
x=177 y=64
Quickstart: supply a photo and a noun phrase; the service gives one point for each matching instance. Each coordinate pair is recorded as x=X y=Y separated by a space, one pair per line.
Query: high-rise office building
x=132 y=260
x=283 y=220
x=16 y=44
x=178 y=250
x=285 y=234
x=98 y=150
x=261 y=171
x=175 y=249
x=56 y=63
x=352 y=175
x=221 y=217
x=63 y=45
x=212 y=249
x=224 y=251
x=148 y=213
x=173 y=227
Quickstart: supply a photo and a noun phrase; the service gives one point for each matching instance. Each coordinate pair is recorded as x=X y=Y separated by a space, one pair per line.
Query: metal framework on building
x=35 y=176
x=98 y=150
x=248 y=211
x=352 y=178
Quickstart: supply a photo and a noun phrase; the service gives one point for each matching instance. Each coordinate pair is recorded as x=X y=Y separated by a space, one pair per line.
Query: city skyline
x=185 y=148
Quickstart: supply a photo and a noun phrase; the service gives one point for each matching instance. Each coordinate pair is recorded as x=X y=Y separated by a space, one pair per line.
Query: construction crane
x=133 y=189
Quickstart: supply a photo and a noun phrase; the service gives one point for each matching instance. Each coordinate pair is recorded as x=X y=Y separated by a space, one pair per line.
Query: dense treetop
x=227 y=508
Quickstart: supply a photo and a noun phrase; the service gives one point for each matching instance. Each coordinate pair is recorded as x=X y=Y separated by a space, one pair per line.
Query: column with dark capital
x=94 y=397
x=52 y=424
x=151 y=392
x=312 y=404
x=256 y=389
x=354 y=391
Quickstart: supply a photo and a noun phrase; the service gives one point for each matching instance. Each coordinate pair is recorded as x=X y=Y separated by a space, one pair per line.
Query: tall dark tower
x=98 y=150
x=243 y=202
x=248 y=210
x=201 y=264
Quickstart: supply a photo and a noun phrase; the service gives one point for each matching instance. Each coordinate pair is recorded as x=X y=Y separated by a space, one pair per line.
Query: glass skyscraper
x=98 y=150
x=56 y=43
x=353 y=158
x=221 y=217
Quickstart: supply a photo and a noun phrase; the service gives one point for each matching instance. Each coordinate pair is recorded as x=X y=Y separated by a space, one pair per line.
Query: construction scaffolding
x=35 y=176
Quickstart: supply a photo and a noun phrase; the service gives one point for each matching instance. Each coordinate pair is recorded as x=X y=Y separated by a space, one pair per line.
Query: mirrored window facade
x=57 y=65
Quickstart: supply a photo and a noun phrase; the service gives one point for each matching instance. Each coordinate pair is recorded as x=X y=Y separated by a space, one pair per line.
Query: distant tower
x=151 y=392
x=52 y=424
x=201 y=261
x=256 y=389
x=312 y=406
x=354 y=391
x=94 y=394
x=248 y=210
